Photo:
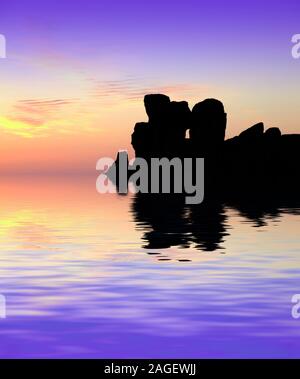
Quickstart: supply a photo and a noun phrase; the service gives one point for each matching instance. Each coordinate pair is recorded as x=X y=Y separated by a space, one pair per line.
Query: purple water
x=79 y=283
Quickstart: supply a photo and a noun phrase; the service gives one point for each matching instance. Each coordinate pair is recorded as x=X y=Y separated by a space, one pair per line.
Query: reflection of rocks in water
x=163 y=218
x=208 y=226
x=167 y=221
x=261 y=211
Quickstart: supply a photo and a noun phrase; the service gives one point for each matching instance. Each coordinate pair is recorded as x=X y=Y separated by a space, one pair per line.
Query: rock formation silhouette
x=164 y=134
x=256 y=173
x=255 y=159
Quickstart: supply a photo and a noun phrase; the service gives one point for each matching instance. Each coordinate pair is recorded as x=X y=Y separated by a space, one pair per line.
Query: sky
x=73 y=82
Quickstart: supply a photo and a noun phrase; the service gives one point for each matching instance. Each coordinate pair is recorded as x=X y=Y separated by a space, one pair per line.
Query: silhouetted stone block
x=272 y=134
x=179 y=121
x=208 y=125
x=252 y=134
x=141 y=139
x=156 y=107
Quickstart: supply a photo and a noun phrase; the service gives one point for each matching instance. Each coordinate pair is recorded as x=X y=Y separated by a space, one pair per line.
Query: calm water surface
x=89 y=275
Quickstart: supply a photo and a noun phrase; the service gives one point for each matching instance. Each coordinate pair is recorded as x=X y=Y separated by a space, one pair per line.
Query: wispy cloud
x=133 y=90
x=22 y=127
x=43 y=116
x=41 y=106
x=32 y=117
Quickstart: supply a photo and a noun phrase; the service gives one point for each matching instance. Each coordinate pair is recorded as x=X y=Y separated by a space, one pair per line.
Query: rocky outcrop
x=173 y=130
x=164 y=133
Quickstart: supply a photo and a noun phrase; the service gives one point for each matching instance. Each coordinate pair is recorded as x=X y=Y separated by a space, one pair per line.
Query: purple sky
x=100 y=57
